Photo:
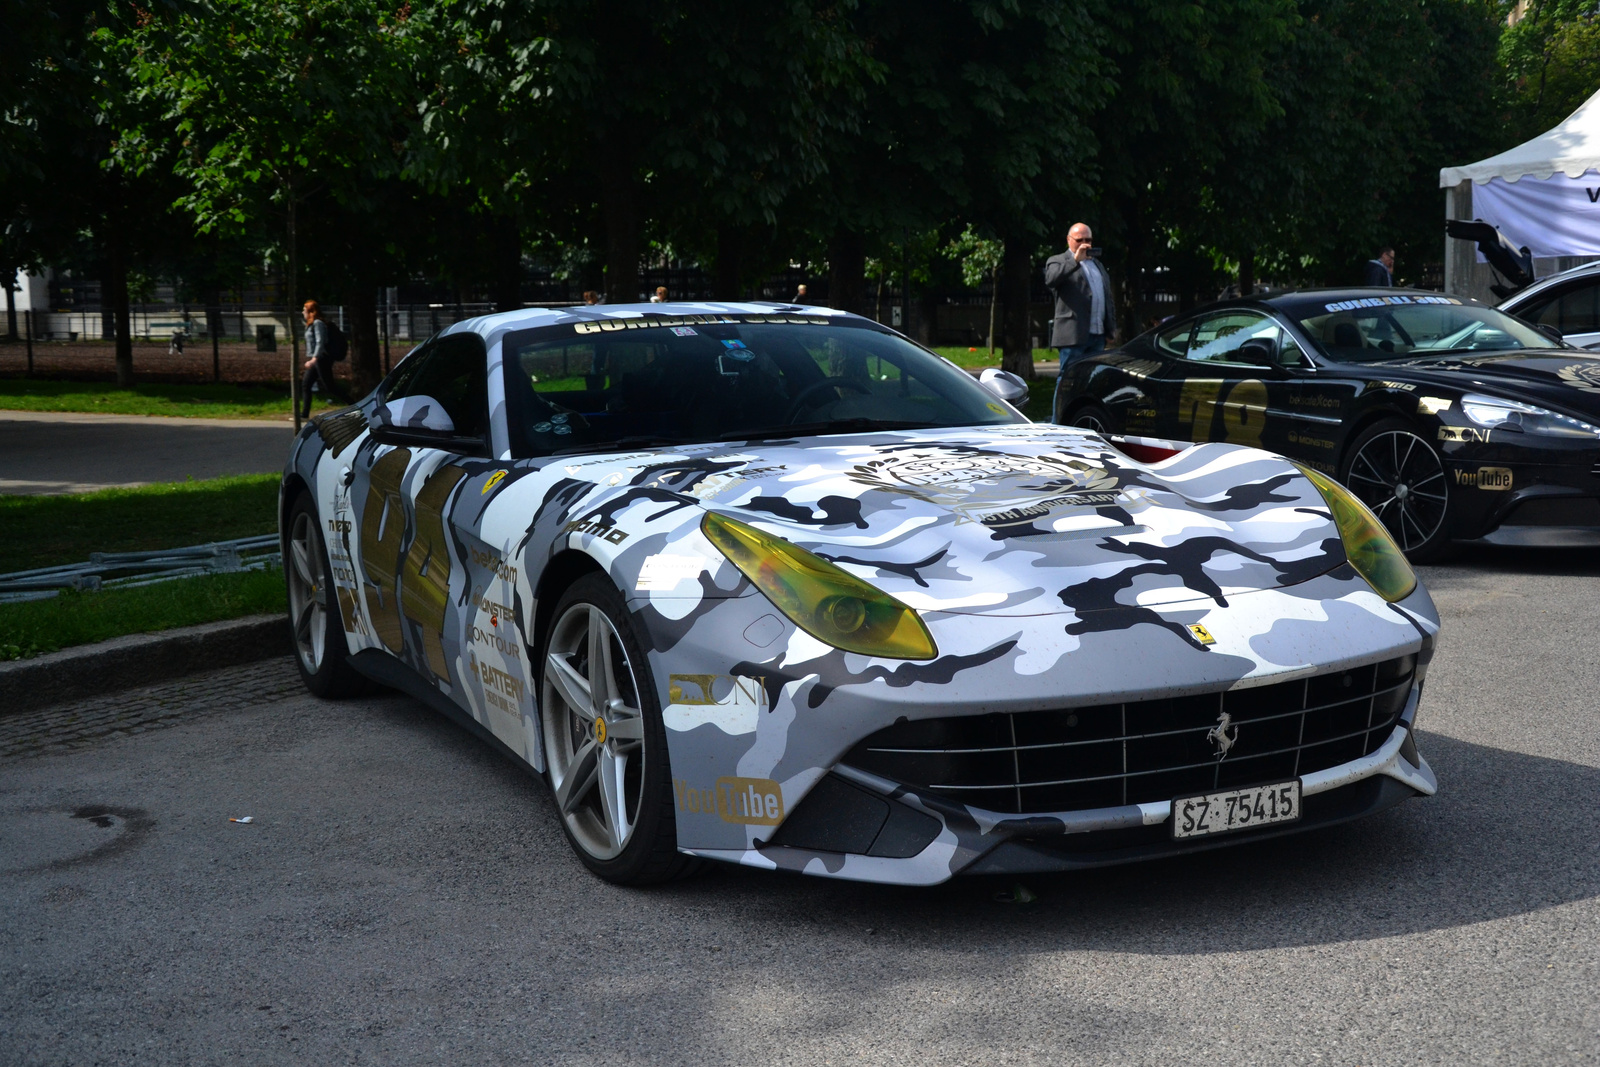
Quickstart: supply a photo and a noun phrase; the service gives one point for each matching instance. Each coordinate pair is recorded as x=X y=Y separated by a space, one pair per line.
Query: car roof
x=528 y=318
x=1539 y=286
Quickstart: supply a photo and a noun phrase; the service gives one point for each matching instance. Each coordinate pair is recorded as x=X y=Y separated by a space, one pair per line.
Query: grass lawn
x=194 y=401
x=40 y=626
x=43 y=531
x=979 y=357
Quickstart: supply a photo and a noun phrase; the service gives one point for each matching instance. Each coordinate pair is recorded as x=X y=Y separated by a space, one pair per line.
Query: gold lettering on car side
x=425 y=582
x=1244 y=413
x=383 y=530
x=1197 y=406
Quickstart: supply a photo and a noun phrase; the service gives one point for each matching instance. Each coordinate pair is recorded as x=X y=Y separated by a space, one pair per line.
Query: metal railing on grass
x=125 y=570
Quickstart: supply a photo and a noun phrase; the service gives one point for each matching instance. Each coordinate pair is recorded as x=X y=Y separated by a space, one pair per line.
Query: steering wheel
x=799 y=403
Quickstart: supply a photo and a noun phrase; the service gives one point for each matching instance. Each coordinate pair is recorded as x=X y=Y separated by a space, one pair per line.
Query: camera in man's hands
x=1096 y=252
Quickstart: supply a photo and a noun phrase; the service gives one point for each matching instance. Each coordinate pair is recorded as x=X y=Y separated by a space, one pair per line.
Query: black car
x=1452 y=420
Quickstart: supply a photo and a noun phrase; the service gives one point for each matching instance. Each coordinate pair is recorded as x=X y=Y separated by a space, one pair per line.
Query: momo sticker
x=745 y=801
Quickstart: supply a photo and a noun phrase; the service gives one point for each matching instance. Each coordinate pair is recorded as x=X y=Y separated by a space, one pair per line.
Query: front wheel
x=604 y=740
x=1092 y=417
x=320 y=649
x=1397 y=473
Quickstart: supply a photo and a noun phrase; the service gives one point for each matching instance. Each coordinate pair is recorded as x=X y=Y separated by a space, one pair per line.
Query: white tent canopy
x=1544 y=194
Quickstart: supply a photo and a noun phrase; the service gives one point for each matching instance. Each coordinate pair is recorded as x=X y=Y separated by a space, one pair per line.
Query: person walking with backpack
x=325 y=346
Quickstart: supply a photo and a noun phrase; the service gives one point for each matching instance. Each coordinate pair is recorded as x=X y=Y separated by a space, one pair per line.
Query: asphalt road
x=50 y=452
x=403 y=896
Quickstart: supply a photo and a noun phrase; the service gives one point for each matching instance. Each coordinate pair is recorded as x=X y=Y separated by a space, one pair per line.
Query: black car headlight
x=1513 y=415
x=1367 y=544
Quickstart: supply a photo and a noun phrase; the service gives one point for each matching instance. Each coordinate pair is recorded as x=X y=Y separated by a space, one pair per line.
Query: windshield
x=594 y=385
x=1351 y=331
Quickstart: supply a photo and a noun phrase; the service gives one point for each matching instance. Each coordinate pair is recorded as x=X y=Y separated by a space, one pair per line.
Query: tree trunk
x=214 y=329
x=994 y=302
x=1016 y=278
x=117 y=282
x=366 y=353
x=847 y=271
x=507 y=243
x=11 y=305
x=289 y=286
x=1247 y=273
x=619 y=202
x=730 y=256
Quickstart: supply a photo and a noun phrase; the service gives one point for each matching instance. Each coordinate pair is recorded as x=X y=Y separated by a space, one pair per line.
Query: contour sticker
x=664 y=571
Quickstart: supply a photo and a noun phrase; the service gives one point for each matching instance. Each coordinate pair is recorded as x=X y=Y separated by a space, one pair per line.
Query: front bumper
x=1525 y=495
x=967 y=840
x=760 y=743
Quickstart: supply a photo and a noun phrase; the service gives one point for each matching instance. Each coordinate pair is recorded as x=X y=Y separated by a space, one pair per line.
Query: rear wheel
x=320 y=649
x=1397 y=473
x=605 y=744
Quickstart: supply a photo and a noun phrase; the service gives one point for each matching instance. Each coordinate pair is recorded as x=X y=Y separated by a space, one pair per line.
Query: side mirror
x=1551 y=332
x=1258 y=352
x=1003 y=384
x=417 y=413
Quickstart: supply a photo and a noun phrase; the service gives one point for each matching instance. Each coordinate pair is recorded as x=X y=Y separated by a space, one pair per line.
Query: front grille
x=1147 y=750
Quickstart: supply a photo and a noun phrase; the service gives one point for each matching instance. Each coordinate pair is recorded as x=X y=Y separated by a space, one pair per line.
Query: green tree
x=1550 y=63
x=273 y=102
x=980 y=260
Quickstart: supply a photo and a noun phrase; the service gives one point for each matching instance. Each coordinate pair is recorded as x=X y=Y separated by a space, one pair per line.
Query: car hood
x=1565 y=378
x=1032 y=519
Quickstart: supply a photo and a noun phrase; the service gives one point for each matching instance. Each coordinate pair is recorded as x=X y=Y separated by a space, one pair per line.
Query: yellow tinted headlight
x=1367 y=544
x=824 y=600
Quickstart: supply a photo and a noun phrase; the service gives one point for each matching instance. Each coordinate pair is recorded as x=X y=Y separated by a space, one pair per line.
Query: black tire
x=321 y=651
x=632 y=749
x=1094 y=417
x=1396 y=471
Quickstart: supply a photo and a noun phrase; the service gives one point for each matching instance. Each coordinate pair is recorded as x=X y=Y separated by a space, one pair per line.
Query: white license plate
x=1236 y=809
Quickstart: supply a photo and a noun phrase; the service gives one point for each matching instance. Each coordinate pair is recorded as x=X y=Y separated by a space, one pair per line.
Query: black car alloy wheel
x=1397 y=473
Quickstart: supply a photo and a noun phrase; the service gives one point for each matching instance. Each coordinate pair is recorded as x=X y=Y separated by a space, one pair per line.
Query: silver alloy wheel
x=1401 y=478
x=593 y=731
x=308 y=597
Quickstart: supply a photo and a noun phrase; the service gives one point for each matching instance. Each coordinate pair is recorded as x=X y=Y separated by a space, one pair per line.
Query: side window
x=1174 y=340
x=1577 y=310
x=1216 y=338
x=452 y=370
x=1290 y=354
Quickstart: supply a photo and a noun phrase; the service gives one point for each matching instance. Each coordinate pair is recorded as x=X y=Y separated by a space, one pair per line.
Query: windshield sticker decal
x=1387 y=301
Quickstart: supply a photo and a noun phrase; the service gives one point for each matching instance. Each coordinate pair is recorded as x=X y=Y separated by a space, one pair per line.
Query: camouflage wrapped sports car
x=775 y=586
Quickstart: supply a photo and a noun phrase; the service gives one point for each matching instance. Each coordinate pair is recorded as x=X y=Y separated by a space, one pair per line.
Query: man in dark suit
x=1086 y=314
x=1380 y=271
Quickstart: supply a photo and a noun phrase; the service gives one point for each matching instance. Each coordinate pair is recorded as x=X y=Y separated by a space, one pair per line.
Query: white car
x=1569 y=301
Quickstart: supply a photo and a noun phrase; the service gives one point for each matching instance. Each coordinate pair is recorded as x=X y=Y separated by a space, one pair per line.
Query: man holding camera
x=1086 y=314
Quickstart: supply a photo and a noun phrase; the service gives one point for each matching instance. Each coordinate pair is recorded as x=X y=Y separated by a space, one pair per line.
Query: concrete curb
x=139 y=659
